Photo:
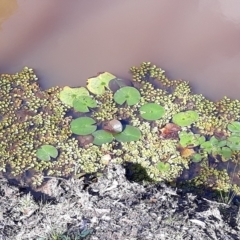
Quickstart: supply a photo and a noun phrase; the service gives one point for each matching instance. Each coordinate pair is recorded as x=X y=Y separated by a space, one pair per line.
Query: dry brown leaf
x=187 y=152
x=170 y=131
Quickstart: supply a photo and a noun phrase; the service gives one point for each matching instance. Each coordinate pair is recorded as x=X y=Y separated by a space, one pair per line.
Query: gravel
x=110 y=207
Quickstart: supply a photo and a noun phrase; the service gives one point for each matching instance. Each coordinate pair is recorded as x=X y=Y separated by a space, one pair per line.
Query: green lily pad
x=83 y=126
x=98 y=84
x=196 y=157
x=129 y=134
x=151 y=111
x=185 y=118
x=45 y=152
x=68 y=95
x=83 y=103
x=101 y=137
x=163 y=167
x=233 y=142
x=234 y=127
x=130 y=95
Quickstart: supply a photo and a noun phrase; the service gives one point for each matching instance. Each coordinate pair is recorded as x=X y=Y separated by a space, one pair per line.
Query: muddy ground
x=111 y=207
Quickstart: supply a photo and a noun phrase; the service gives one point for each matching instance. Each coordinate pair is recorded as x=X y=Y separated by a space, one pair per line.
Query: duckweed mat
x=156 y=127
x=87 y=160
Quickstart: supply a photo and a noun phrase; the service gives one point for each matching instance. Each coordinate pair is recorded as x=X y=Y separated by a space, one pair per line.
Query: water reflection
x=67 y=42
x=7 y=8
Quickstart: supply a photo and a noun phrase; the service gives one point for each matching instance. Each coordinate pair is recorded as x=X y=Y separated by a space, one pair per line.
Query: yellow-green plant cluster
x=31 y=118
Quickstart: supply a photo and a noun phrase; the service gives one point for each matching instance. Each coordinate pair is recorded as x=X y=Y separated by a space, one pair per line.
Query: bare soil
x=110 y=207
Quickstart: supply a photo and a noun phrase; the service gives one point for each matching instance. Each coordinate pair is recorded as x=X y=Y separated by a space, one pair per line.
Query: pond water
x=68 y=41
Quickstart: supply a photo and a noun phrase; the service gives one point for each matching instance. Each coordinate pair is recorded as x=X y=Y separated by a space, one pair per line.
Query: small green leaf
x=233 y=142
x=222 y=143
x=45 y=152
x=234 y=127
x=207 y=146
x=67 y=95
x=83 y=103
x=163 y=167
x=187 y=139
x=201 y=139
x=185 y=118
x=129 y=134
x=130 y=95
x=226 y=153
x=101 y=137
x=214 y=141
x=98 y=84
x=197 y=157
x=151 y=111
x=83 y=126
x=216 y=150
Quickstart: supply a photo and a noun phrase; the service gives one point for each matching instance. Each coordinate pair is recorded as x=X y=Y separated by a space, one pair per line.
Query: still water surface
x=68 y=41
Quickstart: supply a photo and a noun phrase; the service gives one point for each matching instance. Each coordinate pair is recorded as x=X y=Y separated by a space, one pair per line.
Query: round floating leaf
x=233 y=142
x=83 y=126
x=185 y=118
x=67 y=95
x=151 y=111
x=234 y=127
x=163 y=167
x=130 y=95
x=129 y=134
x=101 y=137
x=197 y=157
x=45 y=152
x=83 y=103
x=98 y=84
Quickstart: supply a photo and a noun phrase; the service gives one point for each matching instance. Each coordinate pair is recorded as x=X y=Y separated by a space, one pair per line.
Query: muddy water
x=68 y=41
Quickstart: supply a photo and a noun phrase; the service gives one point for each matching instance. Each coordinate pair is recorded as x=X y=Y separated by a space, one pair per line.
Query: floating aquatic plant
x=98 y=85
x=151 y=111
x=234 y=127
x=34 y=118
x=185 y=118
x=102 y=137
x=45 y=152
x=130 y=133
x=163 y=167
x=190 y=139
x=83 y=125
x=217 y=147
x=196 y=157
x=68 y=94
x=83 y=103
x=130 y=95
x=233 y=142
